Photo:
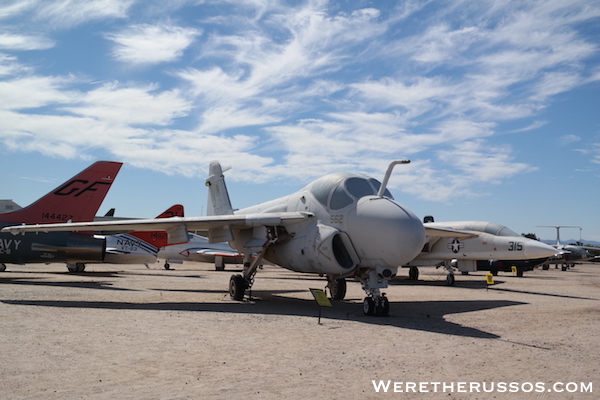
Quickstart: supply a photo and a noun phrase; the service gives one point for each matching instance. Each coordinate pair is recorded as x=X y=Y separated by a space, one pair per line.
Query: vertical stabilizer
x=218 y=197
x=160 y=238
x=76 y=200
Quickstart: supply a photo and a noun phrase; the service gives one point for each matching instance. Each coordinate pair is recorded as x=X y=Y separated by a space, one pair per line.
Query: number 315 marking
x=515 y=246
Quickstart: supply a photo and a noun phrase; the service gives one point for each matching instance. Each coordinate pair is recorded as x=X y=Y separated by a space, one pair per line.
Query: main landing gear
x=239 y=283
x=337 y=287
x=448 y=266
x=76 y=267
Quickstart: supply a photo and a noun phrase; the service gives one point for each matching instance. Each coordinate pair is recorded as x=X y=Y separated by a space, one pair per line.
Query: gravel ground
x=131 y=332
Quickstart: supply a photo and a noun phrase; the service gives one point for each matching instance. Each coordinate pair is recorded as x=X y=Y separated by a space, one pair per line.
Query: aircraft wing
x=214 y=252
x=447 y=232
x=176 y=227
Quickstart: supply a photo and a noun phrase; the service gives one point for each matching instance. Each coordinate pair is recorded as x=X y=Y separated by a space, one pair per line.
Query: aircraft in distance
x=568 y=255
x=490 y=246
x=76 y=200
x=134 y=247
x=340 y=226
x=199 y=249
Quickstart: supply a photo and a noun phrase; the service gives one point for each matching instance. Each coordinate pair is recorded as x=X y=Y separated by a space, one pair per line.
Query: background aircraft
x=199 y=249
x=490 y=246
x=135 y=247
x=340 y=226
x=76 y=200
x=568 y=255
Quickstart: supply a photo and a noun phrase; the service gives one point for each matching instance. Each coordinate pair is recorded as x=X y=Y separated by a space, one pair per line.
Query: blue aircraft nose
x=384 y=232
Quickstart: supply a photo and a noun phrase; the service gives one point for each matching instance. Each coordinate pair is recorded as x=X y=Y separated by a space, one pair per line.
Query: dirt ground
x=129 y=332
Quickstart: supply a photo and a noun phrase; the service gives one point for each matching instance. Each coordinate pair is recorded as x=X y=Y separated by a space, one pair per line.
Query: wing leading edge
x=176 y=227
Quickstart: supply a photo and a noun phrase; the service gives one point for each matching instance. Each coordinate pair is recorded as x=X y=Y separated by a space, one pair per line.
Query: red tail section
x=77 y=200
x=160 y=239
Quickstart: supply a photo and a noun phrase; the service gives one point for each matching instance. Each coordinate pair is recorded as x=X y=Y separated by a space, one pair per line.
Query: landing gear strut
x=238 y=284
x=450 y=277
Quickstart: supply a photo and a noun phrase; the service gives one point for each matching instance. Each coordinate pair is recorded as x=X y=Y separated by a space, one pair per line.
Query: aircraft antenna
x=388 y=173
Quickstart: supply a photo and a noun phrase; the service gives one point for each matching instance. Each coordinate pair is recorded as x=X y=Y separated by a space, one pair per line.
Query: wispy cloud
x=64 y=14
x=150 y=44
x=292 y=91
x=24 y=42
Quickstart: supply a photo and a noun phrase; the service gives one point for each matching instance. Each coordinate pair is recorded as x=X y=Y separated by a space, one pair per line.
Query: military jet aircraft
x=76 y=200
x=199 y=249
x=342 y=225
x=135 y=247
x=490 y=246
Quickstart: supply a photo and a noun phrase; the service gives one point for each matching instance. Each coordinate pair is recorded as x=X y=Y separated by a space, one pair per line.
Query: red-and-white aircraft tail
x=76 y=200
x=160 y=238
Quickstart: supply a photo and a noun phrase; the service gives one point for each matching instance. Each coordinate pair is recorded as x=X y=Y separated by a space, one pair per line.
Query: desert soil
x=132 y=332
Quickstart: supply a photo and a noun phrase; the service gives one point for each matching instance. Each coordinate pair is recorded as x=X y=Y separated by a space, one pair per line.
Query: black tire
x=237 y=287
x=77 y=268
x=167 y=266
x=520 y=273
x=384 y=307
x=545 y=267
x=2 y=267
x=413 y=274
x=337 y=288
x=368 y=306
x=495 y=272
x=450 y=280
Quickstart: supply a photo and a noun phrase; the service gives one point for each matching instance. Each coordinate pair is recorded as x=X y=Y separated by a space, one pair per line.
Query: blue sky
x=495 y=102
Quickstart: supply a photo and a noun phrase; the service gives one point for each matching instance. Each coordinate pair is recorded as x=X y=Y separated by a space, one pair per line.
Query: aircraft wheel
x=337 y=288
x=2 y=267
x=563 y=268
x=76 y=268
x=520 y=273
x=450 y=280
x=237 y=287
x=167 y=266
x=545 y=267
x=384 y=307
x=368 y=306
x=413 y=274
x=464 y=272
x=495 y=272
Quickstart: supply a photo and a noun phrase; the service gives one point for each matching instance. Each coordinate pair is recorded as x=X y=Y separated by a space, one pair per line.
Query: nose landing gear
x=376 y=305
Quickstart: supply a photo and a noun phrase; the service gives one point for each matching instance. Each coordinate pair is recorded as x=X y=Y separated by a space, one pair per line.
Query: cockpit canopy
x=481 y=226
x=337 y=191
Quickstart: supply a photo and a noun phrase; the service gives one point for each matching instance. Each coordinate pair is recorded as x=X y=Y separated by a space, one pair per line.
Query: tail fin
x=77 y=200
x=218 y=196
x=160 y=238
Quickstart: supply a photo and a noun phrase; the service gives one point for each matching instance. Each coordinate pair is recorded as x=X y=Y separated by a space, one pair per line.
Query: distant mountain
x=569 y=241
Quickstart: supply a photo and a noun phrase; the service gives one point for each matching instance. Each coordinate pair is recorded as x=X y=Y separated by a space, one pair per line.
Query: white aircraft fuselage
x=493 y=242
x=349 y=231
x=369 y=232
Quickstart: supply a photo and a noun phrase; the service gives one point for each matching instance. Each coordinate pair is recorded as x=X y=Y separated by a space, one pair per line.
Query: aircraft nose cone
x=534 y=249
x=385 y=233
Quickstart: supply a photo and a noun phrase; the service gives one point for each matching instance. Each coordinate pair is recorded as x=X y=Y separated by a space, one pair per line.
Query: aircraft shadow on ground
x=71 y=284
x=423 y=316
